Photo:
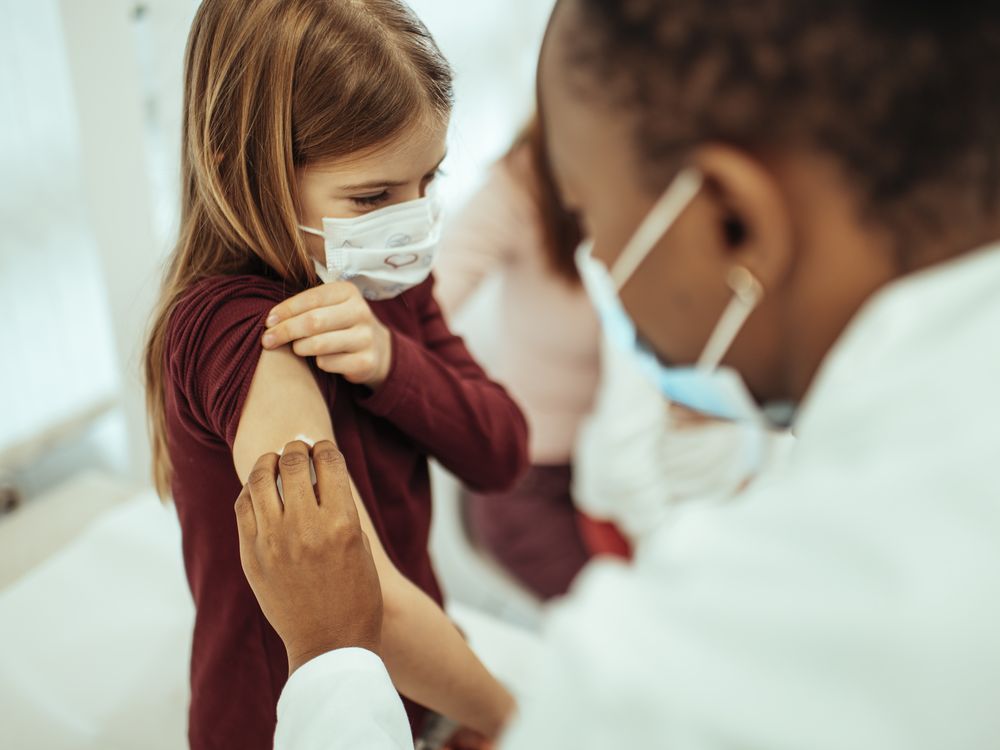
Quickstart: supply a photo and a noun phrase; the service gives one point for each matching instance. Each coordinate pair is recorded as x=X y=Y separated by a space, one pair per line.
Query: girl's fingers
x=314 y=322
x=356 y=367
x=346 y=341
x=323 y=295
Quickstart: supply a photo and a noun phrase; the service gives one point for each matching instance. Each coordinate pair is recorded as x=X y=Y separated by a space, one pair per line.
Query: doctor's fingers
x=352 y=339
x=296 y=480
x=246 y=521
x=246 y=527
x=681 y=416
x=263 y=489
x=333 y=483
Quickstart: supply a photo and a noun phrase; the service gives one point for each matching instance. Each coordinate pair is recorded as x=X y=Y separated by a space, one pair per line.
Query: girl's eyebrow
x=376 y=184
x=373 y=185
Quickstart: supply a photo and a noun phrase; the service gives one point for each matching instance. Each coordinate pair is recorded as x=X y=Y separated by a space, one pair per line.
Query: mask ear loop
x=747 y=294
x=310 y=230
x=321 y=270
x=661 y=217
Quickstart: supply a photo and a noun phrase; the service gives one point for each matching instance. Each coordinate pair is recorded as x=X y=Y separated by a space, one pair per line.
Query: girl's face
x=397 y=172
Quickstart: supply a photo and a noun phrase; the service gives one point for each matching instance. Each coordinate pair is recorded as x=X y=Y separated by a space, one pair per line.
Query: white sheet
x=94 y=642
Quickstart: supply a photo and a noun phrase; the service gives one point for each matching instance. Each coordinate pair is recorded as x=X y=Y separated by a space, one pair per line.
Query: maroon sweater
x=436 y=402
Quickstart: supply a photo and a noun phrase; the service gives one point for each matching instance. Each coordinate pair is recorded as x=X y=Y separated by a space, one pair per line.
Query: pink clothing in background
x=543 y=336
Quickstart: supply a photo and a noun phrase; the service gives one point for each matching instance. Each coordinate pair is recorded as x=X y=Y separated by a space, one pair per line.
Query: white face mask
x=384 y=252
x=706 y=387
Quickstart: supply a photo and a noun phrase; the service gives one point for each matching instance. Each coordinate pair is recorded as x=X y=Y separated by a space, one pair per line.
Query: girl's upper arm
x=284 y=403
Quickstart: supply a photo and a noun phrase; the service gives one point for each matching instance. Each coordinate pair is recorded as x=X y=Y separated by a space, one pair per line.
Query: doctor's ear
x=752 y=216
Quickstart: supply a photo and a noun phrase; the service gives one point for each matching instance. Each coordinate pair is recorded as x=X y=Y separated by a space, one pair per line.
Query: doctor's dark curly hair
x=904 y=94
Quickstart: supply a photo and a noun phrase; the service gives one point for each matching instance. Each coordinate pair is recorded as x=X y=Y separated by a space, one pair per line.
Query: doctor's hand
x=467 y=739
x=306 y=558
x=335 y=324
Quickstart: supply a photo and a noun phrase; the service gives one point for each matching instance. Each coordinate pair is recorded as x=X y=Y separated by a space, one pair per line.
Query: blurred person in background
x=542 y=343
x=606 y=453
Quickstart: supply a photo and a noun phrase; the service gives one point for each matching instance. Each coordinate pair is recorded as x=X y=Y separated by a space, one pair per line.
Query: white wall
x=493 y=47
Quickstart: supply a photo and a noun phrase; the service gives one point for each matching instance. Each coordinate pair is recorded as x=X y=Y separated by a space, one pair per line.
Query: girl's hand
x=333 y=323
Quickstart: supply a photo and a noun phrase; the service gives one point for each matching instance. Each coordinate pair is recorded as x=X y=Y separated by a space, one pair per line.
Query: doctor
x=801 y=197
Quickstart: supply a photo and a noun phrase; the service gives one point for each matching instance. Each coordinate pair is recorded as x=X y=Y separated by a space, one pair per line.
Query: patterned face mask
x=384 y=252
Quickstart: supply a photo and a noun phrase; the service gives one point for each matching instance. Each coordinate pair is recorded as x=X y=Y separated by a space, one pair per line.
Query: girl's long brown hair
x=272 y=85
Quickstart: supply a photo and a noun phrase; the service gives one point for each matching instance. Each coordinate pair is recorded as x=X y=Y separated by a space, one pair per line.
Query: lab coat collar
x=920 y=361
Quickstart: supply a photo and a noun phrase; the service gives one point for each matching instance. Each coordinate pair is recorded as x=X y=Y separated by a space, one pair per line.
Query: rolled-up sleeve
x=214 y=339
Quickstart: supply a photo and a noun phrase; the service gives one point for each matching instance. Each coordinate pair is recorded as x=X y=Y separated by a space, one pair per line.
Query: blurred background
x=90 y=99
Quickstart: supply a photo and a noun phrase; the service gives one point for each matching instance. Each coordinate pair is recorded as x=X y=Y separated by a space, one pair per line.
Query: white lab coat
x=850 y=601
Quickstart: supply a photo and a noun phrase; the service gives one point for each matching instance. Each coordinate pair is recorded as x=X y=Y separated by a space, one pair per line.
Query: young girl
x=313 y=129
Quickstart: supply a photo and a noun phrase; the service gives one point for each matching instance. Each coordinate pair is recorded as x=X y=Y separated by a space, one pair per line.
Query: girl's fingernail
x=272 y=321
x=268 y=339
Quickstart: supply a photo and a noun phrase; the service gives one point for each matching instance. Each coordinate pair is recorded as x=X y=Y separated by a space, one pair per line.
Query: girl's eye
x=368 y=201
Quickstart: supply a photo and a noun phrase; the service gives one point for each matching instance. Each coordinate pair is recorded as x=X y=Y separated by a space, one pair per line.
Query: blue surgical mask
x=705 y=387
